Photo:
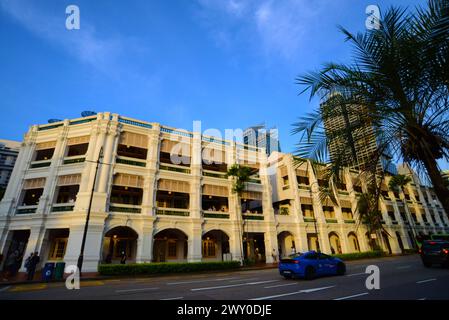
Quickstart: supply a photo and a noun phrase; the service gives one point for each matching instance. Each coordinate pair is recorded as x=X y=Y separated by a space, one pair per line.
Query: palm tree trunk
x=439 y=186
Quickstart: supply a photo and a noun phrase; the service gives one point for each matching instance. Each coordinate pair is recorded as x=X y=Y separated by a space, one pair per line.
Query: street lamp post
x=86 y=225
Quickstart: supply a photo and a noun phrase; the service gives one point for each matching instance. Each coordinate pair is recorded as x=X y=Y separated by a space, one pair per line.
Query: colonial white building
x=162 y=194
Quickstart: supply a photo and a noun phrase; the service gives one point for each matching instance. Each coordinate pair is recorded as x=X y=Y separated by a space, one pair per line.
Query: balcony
x=74 y=160
x=252 y=216
x=214 y=174
x=172 y=212
x=309 y=219
x=40 y=164
x=331 y=221
x=124 y=208
x=130 y=162
x=304 y=187
x=286 y=187
x=215 y=214
x=174 y=168
x=63 y=207
x=26 y=209
x=349 y=221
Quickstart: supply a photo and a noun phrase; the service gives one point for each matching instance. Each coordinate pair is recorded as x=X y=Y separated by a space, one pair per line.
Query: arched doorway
x=334 y=241
x=387 y=242
x=353 y=242
x=117 y=241
x=170 y=245
x=401 y=244
x=215 y=246
x=286 y=243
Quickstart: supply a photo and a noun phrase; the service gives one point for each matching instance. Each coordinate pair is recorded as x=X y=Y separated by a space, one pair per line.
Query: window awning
x=34 y=183
x=210 y=154
x=78 y=140
x=45 y=145
x=175 y=147
x=68 y=180
x=173 y=185
x=134 y=139
x=128 y=180
x=345 y=204
x=213 y=190
x=284 y=171
x=252 y=195
x=305 y=200
x=302 y=173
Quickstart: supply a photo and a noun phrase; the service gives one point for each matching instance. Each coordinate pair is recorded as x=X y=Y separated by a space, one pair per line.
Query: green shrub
x=166 y=267
x=409 y=251
x=360 y=255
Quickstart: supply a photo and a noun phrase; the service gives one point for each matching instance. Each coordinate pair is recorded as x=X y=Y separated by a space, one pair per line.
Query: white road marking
x=355 y=274
x=422 y=298
x=175 y=298
x=232 y=285
x=428 y=280
x=403 y=267
x=5 y=288
x=281 y=285
x=135 y=290
x=248 y=279
x=197 y=281
x=292 y=293
x=353 y=296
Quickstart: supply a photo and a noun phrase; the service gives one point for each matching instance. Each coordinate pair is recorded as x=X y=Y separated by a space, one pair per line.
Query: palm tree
x=241 y=175
x=397 y=84
x=398 y=182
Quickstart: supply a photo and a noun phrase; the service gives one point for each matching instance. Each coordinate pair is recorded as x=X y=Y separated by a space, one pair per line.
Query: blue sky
x=228 y=63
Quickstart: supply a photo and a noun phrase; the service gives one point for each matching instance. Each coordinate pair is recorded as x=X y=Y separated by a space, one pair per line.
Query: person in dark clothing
x=34 y=260
x=123 y=258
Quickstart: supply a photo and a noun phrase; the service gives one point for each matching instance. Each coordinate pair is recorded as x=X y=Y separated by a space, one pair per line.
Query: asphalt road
x=400 y=278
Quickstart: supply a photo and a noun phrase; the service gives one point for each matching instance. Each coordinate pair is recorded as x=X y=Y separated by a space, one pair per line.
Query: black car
x=435 y=252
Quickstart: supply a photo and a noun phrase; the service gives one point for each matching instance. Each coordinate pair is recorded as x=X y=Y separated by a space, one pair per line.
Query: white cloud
x=279 y=26
x=84 y=44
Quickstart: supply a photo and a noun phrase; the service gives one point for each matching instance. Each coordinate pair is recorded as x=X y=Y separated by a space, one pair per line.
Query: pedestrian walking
x=32 y=264
x=123 y=258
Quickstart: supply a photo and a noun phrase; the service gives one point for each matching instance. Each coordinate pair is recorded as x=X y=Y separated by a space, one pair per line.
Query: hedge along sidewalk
x=164 y=268
x=361 y=255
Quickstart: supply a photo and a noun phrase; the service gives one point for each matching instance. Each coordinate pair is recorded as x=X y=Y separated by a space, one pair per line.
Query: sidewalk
x=18 y=280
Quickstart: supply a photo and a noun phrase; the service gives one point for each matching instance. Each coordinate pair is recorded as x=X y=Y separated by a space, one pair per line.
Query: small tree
x=241 y=176
x=398 y=182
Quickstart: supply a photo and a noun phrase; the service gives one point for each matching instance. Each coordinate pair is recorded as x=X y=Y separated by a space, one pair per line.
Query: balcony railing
x=62 y=207
x=172 y=212
x=309 y=219
x=286 y=187
x=26 y=209
x=304 y=187
x=216 y=214
x=349 y=221
x=74 y=160
x=40 y=164
x=174 y=168
x=252 y=216
x=331 y=221
x=124 y=208
x=130 y=161
x=214 y=174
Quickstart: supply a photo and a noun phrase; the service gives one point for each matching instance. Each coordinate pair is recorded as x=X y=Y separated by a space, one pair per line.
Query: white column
x=145 y=243
x=150 y=186
x=34 y=244
x=195 y=181
x=194 y=253
x=93 y=247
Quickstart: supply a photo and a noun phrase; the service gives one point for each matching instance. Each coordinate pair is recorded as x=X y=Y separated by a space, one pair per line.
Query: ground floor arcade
x=182 y=239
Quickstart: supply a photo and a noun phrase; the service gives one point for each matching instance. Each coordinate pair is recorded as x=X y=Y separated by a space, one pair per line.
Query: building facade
x=8 y=155
x=162 y=195
x=363 y=139
x=261 y=137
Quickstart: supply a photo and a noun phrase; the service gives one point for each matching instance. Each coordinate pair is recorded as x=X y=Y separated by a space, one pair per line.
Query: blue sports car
x=311 y=264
